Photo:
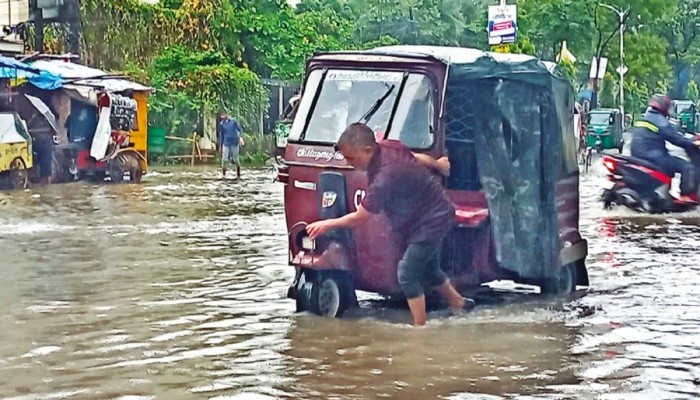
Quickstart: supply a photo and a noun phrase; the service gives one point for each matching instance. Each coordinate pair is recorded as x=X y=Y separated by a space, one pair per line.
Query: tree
x=608 y=93
x=602 y=38
x=692 y=93
x=569 y=71
x=681 y=31
x=646 y=58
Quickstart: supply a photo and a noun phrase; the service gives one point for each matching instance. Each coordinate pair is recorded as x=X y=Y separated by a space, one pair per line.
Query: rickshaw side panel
x=139 y=135
x=11 y=151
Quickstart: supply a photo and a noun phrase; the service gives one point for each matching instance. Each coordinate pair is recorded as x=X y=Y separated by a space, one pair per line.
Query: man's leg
x=410 y=271
x=435 y=276
x=672 y=165
x=236 y=157
x=225 y=155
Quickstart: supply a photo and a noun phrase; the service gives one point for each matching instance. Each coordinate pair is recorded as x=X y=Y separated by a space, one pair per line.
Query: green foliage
x=646 y=61
x=692 y=93
x=569 y=71
x=608 y=92
x=636 y=97
x=208 y=53
x=188 y=83
x=661 y=88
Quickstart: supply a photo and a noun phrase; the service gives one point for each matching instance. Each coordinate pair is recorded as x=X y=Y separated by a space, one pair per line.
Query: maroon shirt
x=412 y=198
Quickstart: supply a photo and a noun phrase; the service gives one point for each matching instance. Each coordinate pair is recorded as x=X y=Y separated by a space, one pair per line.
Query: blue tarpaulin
x=13 y=69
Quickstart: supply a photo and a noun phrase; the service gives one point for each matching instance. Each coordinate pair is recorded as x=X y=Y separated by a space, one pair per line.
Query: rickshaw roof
x=9 y=132
x=464 y=62
x=85 y=76
x=605 y=111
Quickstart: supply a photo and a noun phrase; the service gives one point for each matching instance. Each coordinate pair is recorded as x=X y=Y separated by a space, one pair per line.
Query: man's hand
x=318 y=228
x=697 y=143
x=241 y=141
x=443 y=164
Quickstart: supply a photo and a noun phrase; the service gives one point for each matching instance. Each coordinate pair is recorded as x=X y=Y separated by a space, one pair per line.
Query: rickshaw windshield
x=600 y=119
x=684 y=108
x=349 y=96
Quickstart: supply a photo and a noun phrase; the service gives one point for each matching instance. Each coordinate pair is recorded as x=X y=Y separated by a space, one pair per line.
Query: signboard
x=502 y=25
x=603 y=67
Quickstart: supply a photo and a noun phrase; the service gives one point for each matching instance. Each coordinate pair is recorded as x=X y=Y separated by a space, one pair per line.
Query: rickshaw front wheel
x=19 y=175
x=325 y=293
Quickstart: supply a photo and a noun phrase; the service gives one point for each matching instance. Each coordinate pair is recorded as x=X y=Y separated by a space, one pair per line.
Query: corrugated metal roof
x=84 y=75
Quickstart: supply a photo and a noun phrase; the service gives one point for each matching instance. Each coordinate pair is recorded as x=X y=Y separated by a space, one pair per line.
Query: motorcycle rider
x=649 y=138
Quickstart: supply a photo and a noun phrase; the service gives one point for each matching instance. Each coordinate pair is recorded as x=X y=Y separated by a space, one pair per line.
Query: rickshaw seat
x=470 y=216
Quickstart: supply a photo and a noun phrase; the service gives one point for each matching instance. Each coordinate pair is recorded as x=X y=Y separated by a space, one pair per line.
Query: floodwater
x=175 y=289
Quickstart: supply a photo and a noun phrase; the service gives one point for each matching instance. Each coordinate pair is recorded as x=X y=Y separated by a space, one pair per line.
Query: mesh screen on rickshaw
x=505 y=126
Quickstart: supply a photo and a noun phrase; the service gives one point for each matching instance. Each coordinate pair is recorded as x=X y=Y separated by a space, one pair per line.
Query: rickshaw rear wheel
x=125 y=163
x=563 y=283
x=116 y=171
x=325 y=293
x=121 y=165
x=19 y=175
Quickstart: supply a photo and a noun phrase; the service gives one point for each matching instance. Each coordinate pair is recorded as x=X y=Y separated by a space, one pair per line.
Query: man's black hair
x=357 y=135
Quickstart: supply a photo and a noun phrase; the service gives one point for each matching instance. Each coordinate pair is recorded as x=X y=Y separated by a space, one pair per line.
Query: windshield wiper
x=375 y=107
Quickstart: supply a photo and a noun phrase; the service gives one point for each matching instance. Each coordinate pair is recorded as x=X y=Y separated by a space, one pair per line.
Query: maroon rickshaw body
x=372 y=259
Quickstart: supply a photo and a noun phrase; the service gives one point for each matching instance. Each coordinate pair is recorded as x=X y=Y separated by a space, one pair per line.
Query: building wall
x=13 y=12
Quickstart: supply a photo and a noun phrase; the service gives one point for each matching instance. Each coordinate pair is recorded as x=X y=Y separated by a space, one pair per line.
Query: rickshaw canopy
x=517 y=111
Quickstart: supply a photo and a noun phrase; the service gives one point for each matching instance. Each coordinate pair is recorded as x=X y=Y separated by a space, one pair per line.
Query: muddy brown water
x=175 y=289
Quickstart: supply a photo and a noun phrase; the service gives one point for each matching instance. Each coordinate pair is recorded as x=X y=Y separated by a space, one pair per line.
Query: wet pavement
x=175 y=289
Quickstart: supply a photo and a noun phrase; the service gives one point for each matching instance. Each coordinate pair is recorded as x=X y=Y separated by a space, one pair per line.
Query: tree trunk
x=682 y=74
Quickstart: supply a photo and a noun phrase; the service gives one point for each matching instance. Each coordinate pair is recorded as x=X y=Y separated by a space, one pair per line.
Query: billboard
x=601 y=71
x=503 y=27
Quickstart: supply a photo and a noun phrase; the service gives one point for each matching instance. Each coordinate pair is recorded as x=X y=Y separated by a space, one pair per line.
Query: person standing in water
x=230 y=139
x=415 y=202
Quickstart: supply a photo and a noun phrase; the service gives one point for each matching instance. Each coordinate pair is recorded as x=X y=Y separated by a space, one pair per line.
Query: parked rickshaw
x=604 y=130
x=686 y=115
x=506 y=122
x=103 y=144
x=15 y=152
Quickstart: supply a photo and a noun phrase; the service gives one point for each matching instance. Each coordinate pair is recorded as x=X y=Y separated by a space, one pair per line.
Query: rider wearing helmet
x=649 y=138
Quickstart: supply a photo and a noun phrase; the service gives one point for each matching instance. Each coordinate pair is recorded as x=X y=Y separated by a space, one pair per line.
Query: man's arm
x=671 y=135
x=441 y=165
x=351 y=220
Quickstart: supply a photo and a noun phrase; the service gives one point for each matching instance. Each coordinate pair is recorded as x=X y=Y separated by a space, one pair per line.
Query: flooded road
x=175 y=289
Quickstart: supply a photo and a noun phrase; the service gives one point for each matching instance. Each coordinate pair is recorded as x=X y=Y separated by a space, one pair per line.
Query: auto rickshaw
x=685 y=113
x=506 y=122
x=15 y=152
x=604 y=130
x=102 y=142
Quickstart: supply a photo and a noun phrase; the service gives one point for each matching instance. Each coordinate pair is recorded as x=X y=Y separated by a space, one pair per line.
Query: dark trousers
x=671 y=165
x=420 y=265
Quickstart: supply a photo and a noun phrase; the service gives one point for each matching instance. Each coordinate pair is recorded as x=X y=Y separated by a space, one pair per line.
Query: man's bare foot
x=467 y=305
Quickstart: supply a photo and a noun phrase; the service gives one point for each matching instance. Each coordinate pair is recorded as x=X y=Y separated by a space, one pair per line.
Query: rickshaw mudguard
x=575 y=252
x=142 y=160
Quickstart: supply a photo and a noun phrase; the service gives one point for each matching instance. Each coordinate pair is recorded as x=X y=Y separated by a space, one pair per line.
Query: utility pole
x=621 y=69
x=38 y=17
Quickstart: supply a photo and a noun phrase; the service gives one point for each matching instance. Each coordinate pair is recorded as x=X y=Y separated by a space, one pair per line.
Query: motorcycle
x=642 y=186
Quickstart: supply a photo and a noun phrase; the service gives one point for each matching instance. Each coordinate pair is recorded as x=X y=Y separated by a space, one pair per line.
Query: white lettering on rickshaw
x=319 y=154
x=359 y=196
